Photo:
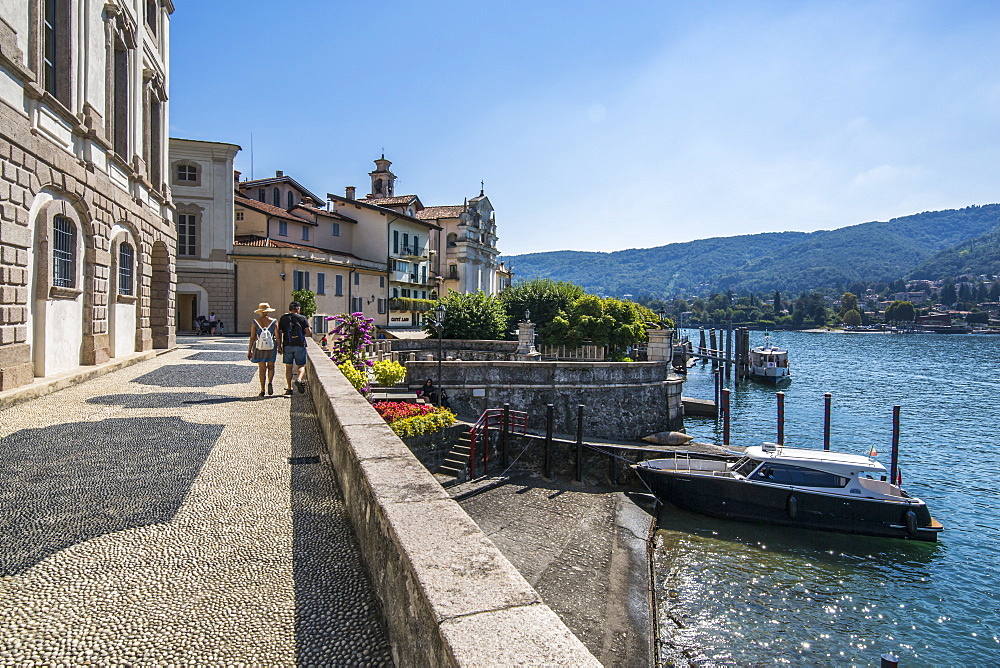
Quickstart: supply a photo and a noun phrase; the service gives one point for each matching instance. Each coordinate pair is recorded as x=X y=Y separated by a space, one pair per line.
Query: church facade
x=86 y=236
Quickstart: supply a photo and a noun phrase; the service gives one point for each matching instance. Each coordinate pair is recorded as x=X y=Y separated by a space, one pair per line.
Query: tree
x=995 y=291
x=848 y=302
x=948 y=295
x=900 y=311
x=543 y=297
x=852 y=318
x=599 y=321
x=472 y=316
x=777 y=302
x=810 y=307
x=306 y=299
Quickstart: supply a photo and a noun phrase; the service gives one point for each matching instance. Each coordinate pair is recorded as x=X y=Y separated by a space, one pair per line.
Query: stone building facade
x=467 y=257
x=86 y=242
x=202 y=181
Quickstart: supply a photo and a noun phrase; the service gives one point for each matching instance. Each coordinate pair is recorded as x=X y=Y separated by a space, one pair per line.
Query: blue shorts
x=294 y=355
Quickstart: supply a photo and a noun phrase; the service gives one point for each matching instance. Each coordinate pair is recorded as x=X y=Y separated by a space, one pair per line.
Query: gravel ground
x=165 y=515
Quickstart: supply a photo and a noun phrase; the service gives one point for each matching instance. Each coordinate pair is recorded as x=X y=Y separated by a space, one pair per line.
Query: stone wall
x=35 y=173
x=622 y=400
x=449 y=597
x=485 y=350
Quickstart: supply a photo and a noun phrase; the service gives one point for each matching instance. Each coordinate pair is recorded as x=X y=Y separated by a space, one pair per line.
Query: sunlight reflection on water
x=732 y=592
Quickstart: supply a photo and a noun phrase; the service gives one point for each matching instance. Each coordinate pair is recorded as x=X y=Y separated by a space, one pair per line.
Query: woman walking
x=263 y=347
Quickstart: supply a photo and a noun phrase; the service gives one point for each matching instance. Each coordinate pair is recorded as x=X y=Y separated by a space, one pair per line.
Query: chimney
x=349 y=192
x=279 y=173
x=236 y=175
x=308 y=201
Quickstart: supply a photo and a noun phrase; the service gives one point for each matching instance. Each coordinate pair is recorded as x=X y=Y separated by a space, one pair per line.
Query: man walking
x=293 y=328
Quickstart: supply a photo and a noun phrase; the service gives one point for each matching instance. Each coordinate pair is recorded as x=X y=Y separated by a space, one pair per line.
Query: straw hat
x=263 y=308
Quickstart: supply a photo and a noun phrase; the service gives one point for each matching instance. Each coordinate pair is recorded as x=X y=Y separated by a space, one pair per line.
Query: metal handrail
x=495 y=417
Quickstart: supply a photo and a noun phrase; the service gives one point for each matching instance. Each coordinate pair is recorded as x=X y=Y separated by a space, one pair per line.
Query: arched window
x=378 y=186
x=260 y=194
x=291 y=199
x=126 y=268
x=452 y=240
x=63 y=252
x=277 y=197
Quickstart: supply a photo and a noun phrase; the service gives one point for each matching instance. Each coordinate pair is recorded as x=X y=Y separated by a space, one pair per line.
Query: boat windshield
x=745 y=466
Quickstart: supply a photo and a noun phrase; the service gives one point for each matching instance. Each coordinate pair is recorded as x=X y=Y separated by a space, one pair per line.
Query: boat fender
x=668 y=438
x=911 y=522
x=793 y=506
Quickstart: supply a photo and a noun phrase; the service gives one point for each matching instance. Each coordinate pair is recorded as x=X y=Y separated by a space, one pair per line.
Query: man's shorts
x=294 y=355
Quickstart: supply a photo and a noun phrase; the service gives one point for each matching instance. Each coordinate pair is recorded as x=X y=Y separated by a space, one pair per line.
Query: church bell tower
x=383 y=180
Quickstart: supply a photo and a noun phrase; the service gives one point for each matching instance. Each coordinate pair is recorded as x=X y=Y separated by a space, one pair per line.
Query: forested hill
x=975 y=256
x=788 y=261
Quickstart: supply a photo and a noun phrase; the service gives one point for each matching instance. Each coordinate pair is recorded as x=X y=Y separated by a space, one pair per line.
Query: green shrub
x=388 y=373
x=357 y=378
x=423 y=424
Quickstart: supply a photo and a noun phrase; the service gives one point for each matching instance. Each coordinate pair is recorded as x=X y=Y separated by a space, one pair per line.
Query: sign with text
x=400 y=319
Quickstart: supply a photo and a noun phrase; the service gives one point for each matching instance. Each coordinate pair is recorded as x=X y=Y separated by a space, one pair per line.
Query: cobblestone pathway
x=165 y=515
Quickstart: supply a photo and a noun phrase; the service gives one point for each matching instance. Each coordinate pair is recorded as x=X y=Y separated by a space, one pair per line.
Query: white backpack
x=265 y=340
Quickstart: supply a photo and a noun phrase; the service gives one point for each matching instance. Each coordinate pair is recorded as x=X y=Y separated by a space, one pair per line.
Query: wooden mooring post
x=781 y=418
x=715 y=353
x=894 y=456
x=729 y=349
x=827 y=402
x=548 y=440
x=579 y=443
x=717 y=376
x=701 y=344
x=725 y=416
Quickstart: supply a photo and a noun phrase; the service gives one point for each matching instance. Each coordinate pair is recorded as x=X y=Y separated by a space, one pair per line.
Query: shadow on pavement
x=337 y=618
x=163 y=399
x=64 y=484
x=238 y=355
x=198 y=375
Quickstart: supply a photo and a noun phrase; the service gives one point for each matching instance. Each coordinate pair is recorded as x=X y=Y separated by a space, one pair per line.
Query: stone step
x=452 y=470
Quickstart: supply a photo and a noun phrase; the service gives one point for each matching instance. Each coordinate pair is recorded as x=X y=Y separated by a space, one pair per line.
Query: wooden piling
x=715 y=351
x=701 y=345
x=894 y=457
x=729 y=349
x=827 y=402
x=781 y=418
x=505 y=430
x=549 y=410
x=725 y=416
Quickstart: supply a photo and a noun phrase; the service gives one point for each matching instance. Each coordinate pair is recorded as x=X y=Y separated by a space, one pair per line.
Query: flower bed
x=407 y=419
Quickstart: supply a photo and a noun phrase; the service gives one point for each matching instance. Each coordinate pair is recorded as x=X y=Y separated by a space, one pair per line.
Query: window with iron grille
x=187 y=231
x=126 y=265
x=63 y=252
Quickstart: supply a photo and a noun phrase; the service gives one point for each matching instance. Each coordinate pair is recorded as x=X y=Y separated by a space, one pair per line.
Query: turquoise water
x=729 y=592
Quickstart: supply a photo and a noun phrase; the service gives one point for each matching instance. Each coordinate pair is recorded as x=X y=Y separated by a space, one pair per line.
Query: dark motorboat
x=812 y=489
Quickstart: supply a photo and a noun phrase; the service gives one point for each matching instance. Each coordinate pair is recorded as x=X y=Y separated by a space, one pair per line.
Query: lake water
x=730 y=592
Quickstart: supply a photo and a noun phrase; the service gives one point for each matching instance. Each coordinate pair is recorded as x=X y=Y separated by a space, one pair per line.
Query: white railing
x=581 y=354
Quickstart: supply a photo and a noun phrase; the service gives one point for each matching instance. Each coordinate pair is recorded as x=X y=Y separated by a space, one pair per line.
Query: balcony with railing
x=411 y=253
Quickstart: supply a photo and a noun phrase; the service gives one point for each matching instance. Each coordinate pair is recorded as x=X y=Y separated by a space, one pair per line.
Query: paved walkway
x=165 y=515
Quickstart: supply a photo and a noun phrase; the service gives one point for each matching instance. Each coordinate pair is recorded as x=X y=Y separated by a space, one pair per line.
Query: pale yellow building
x=277 y=251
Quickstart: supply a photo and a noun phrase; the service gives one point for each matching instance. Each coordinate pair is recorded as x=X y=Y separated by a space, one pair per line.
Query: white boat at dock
x=769 y=363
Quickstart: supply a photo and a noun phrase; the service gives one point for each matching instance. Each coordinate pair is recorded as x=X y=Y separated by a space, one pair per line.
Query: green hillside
x=975 y=256
x=789 y=261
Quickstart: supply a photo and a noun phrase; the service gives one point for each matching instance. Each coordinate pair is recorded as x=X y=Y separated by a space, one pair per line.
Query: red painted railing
x=480 y=433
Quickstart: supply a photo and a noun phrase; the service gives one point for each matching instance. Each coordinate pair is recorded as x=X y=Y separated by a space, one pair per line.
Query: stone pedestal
x=526 y=341
x=658 y=348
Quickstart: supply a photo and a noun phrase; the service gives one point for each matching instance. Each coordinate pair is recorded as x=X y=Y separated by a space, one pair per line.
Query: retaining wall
x=623 y=400
x=482 y=350
x=448 y=595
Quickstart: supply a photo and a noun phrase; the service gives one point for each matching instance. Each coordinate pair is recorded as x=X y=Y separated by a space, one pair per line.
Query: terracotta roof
x=324 y=212
x=392 y=201
x=279 y=179
x=271 y=210
x=433 y=212
x=368 y=205
x=257 y=241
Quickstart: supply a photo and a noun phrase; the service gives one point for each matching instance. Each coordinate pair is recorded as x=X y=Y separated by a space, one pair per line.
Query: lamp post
x=438 y=322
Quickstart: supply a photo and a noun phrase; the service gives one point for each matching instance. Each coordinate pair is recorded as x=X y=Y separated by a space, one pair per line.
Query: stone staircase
x=398 y=392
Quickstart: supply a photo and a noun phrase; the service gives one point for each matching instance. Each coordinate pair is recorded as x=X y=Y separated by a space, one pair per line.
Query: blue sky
x=602 y=126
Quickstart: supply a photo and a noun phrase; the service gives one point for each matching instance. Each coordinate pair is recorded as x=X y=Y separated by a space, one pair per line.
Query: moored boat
x=769 y=363
x=811 y=489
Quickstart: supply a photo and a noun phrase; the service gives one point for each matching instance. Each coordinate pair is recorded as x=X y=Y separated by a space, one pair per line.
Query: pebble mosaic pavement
x=165 y=515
